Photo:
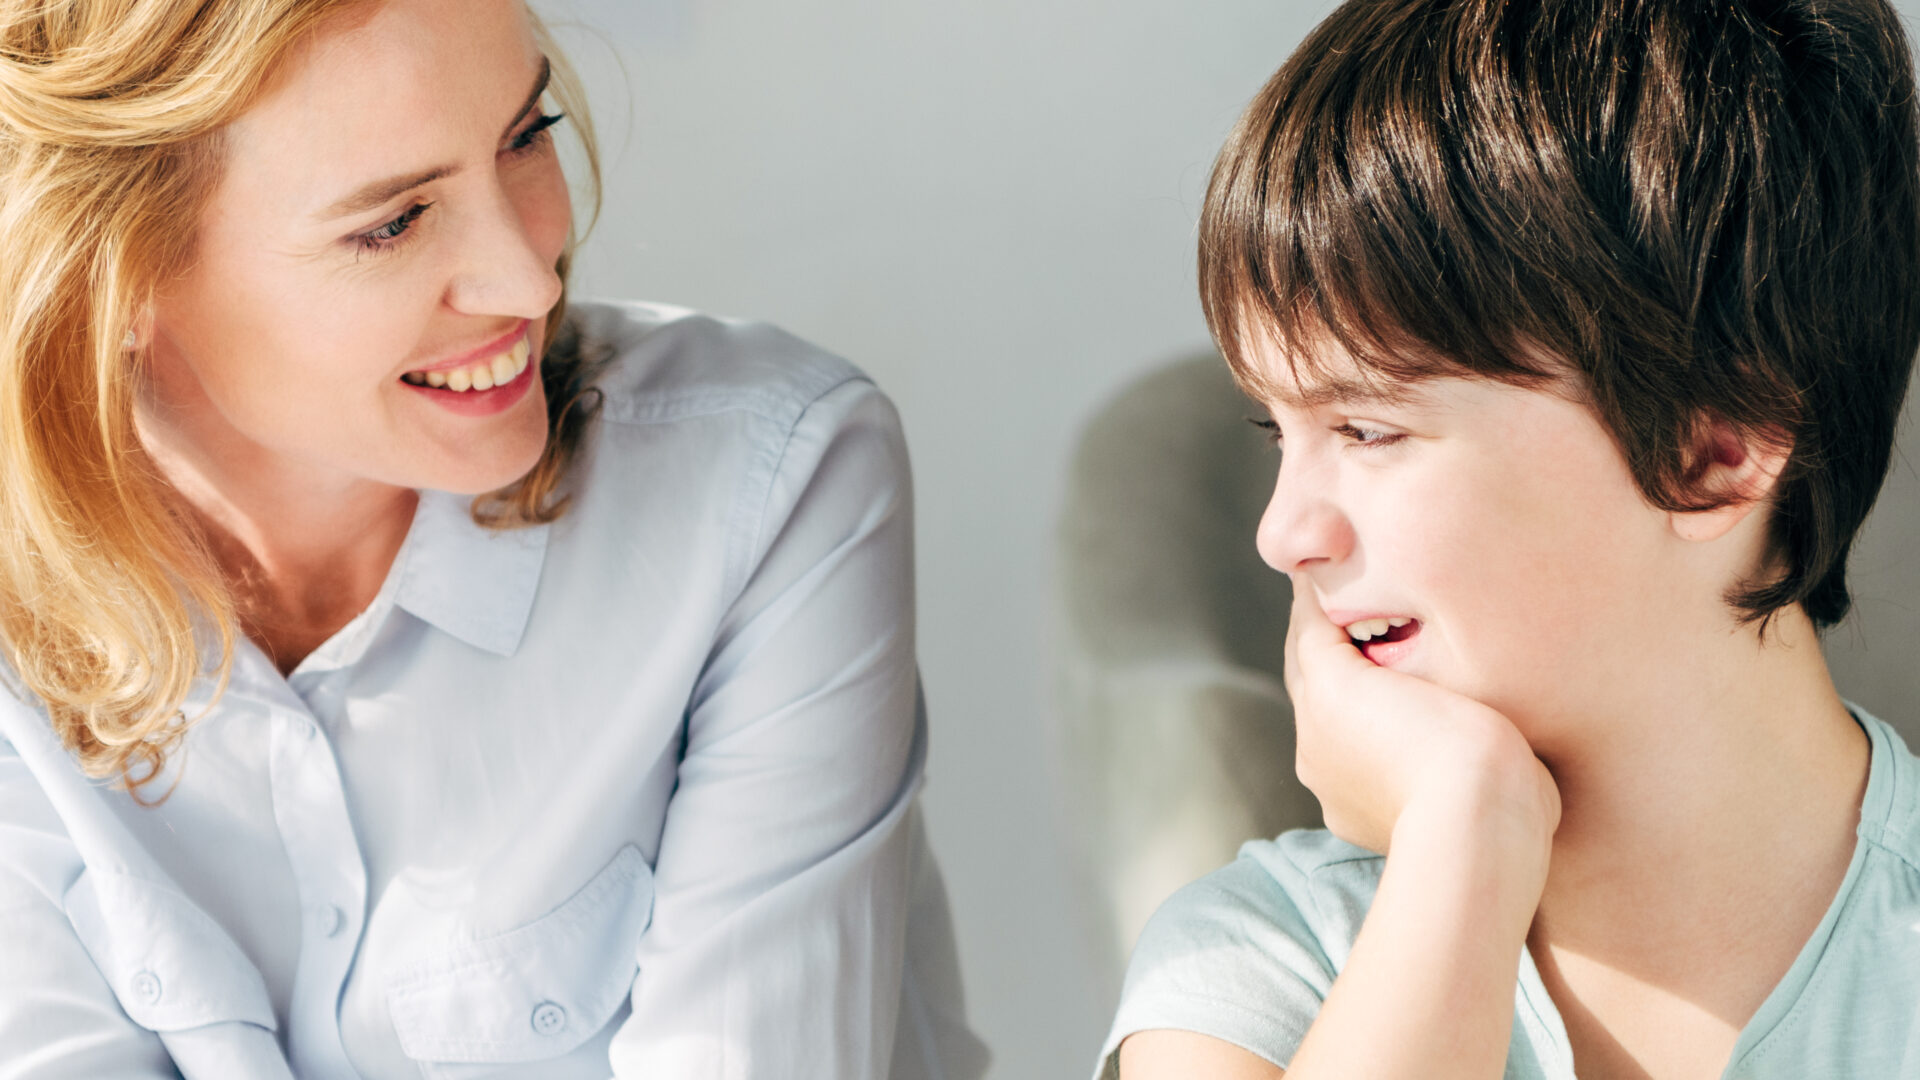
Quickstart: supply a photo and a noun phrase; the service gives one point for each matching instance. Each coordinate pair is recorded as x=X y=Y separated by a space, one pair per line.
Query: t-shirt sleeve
x=1240 y=955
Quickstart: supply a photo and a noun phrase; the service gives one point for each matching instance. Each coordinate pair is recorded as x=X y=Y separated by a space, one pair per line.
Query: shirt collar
x=469 y=581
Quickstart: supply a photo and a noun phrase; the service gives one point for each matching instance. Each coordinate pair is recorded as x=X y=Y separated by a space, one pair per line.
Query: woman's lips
x=471 y=402
x=482 y=354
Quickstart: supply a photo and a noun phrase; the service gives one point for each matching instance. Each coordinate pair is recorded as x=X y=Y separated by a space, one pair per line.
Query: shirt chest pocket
x=534 y=992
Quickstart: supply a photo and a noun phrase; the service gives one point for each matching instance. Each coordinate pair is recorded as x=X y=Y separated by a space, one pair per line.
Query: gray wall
x=988 y=205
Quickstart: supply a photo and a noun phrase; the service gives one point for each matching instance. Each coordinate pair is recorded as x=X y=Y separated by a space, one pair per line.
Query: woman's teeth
x=1368 y=629
x=484 y=375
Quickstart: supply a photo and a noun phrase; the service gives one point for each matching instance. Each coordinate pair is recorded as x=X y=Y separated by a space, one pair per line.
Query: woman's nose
x=1302 y=525
x=504 y=269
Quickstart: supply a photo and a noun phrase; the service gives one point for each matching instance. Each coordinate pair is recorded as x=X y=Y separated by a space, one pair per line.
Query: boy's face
x=1501 y=523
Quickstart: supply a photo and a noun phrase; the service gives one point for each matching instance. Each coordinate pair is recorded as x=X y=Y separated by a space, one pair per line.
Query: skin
x=1525 y=793
x=274 y=402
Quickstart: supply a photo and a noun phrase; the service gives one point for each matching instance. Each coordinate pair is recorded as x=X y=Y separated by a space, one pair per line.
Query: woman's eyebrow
x=379 y=192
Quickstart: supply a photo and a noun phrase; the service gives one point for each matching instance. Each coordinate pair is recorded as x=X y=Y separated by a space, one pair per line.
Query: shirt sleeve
x=782 y=883
x=1236 y=955
x=59 y=1020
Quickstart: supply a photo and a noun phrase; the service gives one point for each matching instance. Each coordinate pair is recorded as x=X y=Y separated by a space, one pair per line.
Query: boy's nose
x=1301 y=528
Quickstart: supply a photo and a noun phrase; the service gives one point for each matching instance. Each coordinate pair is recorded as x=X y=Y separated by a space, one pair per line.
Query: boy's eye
x=1366 y=436
x=1354 y=434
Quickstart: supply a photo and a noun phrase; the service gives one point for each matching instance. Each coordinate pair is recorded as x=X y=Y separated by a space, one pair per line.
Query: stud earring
x=132 y=339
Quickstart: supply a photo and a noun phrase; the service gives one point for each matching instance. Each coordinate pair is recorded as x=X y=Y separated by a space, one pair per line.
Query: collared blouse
x=632 y=794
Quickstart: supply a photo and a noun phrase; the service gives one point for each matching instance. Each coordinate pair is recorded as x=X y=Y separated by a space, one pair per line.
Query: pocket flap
x=169 y=963
x=536 y=991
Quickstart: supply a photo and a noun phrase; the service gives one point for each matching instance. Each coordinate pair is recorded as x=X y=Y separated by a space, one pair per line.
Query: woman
x=487 y=687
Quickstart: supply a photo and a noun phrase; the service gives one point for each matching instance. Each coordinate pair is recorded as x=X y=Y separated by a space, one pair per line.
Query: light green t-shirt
x=1247 y=954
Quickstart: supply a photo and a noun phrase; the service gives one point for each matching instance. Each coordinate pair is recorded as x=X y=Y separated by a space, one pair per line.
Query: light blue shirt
x=1248 y=953
x=632 y=794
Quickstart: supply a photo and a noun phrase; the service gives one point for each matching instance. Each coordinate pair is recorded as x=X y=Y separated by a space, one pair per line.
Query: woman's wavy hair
x=111 y=113
x=1707 y=212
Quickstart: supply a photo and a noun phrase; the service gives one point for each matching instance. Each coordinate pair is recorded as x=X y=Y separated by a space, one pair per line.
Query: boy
x=1585 y=325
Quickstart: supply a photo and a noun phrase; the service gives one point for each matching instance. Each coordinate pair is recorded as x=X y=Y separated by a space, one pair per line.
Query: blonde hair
x=110 y=113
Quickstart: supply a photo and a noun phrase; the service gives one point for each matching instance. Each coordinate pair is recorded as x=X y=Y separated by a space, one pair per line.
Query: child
x=1585 y=325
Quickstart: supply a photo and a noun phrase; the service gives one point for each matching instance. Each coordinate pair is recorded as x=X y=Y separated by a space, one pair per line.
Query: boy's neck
x=1707 y=821
x=1726 y=747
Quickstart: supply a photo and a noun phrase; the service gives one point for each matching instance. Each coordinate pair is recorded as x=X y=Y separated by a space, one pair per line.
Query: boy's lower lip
x=481 y=402
x=1388 y=653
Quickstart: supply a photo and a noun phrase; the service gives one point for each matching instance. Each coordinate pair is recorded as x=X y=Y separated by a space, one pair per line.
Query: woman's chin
x=476 y=465
x=476 y=473
x=479 y=481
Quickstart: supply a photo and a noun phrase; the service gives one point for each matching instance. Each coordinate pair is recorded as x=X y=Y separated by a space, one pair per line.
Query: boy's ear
x=1737 y=470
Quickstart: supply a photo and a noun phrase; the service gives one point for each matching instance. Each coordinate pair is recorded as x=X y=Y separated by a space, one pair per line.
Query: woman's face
x=388 y=218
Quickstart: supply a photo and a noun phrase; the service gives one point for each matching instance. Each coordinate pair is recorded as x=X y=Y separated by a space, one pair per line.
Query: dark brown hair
x=1706 y=211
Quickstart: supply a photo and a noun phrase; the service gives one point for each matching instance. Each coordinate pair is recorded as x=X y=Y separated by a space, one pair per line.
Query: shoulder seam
x=756 y=488
x=774 y=407
x=1876 y=835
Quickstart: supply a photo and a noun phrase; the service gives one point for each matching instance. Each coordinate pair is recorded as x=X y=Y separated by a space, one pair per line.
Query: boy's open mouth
x=1382 y=640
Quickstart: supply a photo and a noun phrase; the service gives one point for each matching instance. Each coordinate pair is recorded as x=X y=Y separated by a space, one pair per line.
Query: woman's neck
x=302 y=553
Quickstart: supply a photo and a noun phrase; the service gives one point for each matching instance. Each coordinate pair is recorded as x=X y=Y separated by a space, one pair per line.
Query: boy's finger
x=1311 y=621
x=1311 y=632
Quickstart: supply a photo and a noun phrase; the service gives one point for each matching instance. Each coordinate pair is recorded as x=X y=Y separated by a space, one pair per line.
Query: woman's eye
x=535 y=133
x=1272 y=429
x=386 y=236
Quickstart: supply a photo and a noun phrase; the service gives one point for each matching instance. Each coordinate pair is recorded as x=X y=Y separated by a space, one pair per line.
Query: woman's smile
x=484 y=382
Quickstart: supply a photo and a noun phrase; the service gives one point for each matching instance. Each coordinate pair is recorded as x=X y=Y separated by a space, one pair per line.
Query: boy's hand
x=1375 y=745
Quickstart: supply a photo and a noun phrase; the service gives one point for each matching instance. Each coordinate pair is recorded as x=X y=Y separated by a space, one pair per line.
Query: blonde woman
x=410 y=675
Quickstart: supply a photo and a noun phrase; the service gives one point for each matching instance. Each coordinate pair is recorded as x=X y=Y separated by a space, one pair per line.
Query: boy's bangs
x=1341 y=212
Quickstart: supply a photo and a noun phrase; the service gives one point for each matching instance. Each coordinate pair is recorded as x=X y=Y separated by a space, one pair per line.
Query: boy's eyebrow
x=379 y=192
x=1339 y=390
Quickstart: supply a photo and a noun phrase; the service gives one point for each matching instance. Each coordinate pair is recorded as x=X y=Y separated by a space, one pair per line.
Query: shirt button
x=330 y=920
x=549 y=1019
x=146 y=987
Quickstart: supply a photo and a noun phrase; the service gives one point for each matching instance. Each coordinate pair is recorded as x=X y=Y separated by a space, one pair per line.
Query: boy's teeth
x=1367 y=629
x=498 y=371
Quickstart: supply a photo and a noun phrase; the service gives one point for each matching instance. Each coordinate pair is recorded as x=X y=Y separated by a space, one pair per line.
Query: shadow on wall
x=1175 y=739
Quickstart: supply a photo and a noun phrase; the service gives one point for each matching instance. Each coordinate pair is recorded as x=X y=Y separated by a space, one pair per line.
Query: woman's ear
x=139 y=329
x=1738 y=471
